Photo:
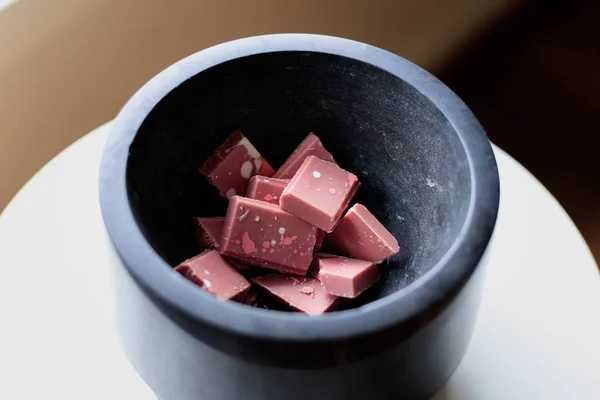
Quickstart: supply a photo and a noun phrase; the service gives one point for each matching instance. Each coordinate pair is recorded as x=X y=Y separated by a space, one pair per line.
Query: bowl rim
x=152 y=273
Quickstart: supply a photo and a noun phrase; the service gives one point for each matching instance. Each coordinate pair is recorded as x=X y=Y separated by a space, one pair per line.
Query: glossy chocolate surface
x=264 y=235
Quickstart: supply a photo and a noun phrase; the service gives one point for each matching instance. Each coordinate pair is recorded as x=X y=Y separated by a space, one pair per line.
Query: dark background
x=534 y=83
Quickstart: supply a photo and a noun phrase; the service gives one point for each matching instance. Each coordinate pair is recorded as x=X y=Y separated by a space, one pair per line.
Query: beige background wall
x=66 y=66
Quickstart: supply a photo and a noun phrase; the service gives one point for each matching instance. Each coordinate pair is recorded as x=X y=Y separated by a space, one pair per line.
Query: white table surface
x=537 y=337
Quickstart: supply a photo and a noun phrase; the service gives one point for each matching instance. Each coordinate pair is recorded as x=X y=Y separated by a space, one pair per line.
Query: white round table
x=537 y=337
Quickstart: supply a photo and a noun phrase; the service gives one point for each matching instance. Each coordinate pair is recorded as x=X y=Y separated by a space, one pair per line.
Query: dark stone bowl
x=427 y=172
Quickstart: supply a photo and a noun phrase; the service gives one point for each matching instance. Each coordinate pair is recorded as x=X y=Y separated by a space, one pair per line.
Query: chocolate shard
x=302 y=294
x=211 y=272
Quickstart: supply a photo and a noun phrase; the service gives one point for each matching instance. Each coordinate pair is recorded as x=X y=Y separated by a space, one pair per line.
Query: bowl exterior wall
x=178 y=366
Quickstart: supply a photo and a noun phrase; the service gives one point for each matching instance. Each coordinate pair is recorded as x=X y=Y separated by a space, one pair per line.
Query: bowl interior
x=409 y=159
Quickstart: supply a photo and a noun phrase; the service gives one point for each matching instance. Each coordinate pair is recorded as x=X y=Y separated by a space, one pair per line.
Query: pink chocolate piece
x=210 y=271
x=237 y=264
x=320 y=238
x=344 y=277
x=319 y=193
x=360 y=235
x=208 y=231
x=266 y=189
x=231 y=166
x=310 y=146
x=264 y=235
x=303 y=294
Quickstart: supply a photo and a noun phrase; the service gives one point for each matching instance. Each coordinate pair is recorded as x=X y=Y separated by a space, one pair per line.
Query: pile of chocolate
x=280 y=224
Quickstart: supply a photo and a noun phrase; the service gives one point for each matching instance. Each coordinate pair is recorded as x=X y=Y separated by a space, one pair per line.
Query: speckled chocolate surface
x=214 y=274
x=265 y=235
x=232 y=165
x=266 y=189
x=319 y=192
x=302 y=294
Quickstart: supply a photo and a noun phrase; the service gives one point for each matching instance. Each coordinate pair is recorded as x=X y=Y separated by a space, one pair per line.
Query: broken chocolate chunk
x=360 y=235
x=266 y=189
x=232 y=165
x=264 y=235
x=319 y=193
x=302 y=294
x=310 y=146
x=342 y=276
x=211 y=272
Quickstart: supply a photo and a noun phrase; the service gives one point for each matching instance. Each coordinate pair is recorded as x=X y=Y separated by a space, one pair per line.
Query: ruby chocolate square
x=265 y=235
x=360 y=235
x=232 y=165
x=319 y=193
x=342 y=276
x=310 y=146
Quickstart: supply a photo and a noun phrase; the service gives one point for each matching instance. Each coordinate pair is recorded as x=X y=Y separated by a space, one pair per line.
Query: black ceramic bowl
x=427 y=172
